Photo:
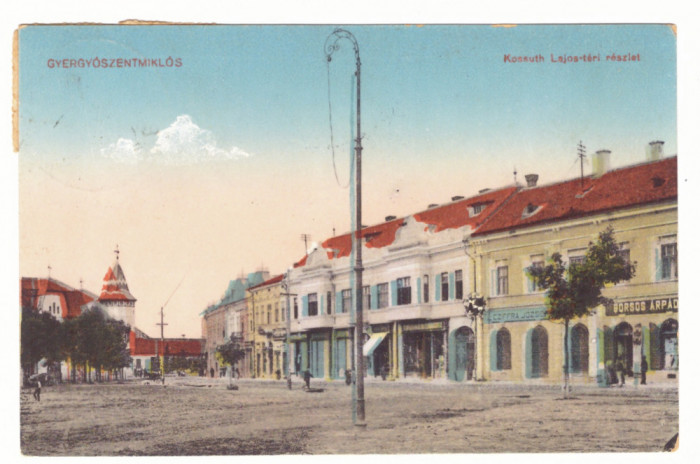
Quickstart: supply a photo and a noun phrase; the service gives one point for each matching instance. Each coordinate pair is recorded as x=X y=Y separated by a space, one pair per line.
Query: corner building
x=641 y=322
x=416 y=275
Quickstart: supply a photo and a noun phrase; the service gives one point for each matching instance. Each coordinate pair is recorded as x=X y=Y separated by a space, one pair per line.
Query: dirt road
x=193 y=416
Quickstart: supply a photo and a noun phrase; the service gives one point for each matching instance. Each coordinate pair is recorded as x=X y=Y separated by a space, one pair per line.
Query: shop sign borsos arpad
x=650 y=306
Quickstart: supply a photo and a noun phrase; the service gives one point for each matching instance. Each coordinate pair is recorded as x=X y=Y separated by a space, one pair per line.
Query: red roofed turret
x=115 y=296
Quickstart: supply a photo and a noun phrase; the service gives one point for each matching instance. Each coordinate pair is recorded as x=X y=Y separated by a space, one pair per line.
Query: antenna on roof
x=515 y=175
x=581 y=153
x=116 y=251
x=306 y=238
x=49 y=267
x=81 y=284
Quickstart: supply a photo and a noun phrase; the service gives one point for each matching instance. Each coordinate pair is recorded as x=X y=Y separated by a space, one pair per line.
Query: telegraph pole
x=306 y=238
x=287 y=346
x=162 y=346
x=359 y=384
x=581 y=153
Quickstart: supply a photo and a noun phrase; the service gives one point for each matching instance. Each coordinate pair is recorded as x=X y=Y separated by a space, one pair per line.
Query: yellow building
x=267 y=320
x=637 y=329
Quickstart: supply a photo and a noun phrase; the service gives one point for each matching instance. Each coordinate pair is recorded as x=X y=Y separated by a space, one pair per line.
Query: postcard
x=336 y=240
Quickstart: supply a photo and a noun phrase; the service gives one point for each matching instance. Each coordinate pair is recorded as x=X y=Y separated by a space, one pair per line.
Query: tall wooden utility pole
x=359 y=384
x=581 y=153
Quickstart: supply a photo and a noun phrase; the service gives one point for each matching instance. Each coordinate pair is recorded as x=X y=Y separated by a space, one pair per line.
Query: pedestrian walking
x=37 y=390
x=307 y=378
x=645 y=368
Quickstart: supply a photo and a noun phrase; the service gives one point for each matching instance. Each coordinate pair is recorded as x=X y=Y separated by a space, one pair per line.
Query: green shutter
x=655 y=352
x=528 y=354
x=609 y=345
x=437 y=287
x=657 y=264
x=494 y=283
x=451 y=356
x=569 y=352
x=452 y=285
x=646 y=345
x=493 y=351
x=419 y=300
x=338 y=302
x=394 y=293
x=600 y=343
x=321 y=304
x=530 y=281
x=305 y=305
x=374 y=297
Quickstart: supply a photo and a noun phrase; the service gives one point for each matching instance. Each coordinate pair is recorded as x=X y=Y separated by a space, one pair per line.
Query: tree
x=574 y=290
x=40 y=338
x=229 y=354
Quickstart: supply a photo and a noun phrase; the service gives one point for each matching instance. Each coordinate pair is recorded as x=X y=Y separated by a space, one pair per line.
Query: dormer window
x=530 y=210
x=476 y=209
x=657 y=181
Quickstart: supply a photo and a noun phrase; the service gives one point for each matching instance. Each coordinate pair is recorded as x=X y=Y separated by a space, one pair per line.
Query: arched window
x=503 y=349
x=579 y=349
x=669 y=344
x=540 y=352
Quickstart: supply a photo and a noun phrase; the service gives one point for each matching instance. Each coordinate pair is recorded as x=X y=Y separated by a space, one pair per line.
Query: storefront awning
x=373 y=342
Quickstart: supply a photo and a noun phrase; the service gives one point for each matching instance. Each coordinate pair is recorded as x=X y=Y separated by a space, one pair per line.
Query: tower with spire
x=115 y=297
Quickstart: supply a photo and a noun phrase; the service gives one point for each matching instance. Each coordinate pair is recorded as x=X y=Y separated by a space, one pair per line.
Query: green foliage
x=40 y=338
x=230 y=353
x=573 y=290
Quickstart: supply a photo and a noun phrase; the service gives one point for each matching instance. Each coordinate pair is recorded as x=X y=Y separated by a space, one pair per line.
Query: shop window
x=269 y=313
x=459 y=291
x=622 y=346
x=669 y=345
x=313 y=304
x=277 y=312
x=579 y=349
x=383 y=295
x=426 y=289
x=403 y=286
x=503 y=349
x=347 y=300
x=444 y=286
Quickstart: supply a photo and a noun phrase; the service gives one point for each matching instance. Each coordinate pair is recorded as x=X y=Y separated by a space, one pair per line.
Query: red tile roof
x=377 y=236
x=71 y=299
x=171 y=346
x=115 y=287
x=617 y=189
x=271 y=281
x=456 y=214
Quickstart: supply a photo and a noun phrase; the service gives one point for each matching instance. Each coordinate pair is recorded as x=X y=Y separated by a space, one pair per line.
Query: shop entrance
x=622 y=345
x=423 y=353
x=540 y=352
x=464 y=354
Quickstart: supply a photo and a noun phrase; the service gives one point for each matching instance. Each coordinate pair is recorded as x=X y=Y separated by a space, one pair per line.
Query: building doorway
x=464 y=354
x=622 y=346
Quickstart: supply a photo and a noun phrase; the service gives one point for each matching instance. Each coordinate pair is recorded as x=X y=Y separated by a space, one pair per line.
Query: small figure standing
x=645 y=368
x=211 y=372
x=621 y=370
x=37 y=390
x=307 y=379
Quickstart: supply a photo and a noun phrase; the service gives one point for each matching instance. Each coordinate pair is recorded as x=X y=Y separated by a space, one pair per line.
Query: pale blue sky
x=106 y=155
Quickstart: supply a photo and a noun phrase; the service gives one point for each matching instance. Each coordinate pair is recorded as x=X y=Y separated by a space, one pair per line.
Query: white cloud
x=184 y=142
x=124 y=150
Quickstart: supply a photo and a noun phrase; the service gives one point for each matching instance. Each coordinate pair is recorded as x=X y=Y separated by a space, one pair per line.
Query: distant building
x=266 y=308
x=219 y=322
x=115 y=300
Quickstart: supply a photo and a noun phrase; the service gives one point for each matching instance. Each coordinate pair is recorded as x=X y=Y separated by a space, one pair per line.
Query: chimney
x=484 y=190
x=389 y=218
x=655 y=151
x=432 y=205
x=457 y=197
x=601 y=163
x=531 y=179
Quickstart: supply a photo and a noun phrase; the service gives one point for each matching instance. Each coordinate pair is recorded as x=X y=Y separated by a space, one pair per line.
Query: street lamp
x=474 y=307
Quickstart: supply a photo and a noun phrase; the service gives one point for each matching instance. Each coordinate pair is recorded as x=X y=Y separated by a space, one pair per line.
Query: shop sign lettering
x=656 y=305
x=515 y=315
